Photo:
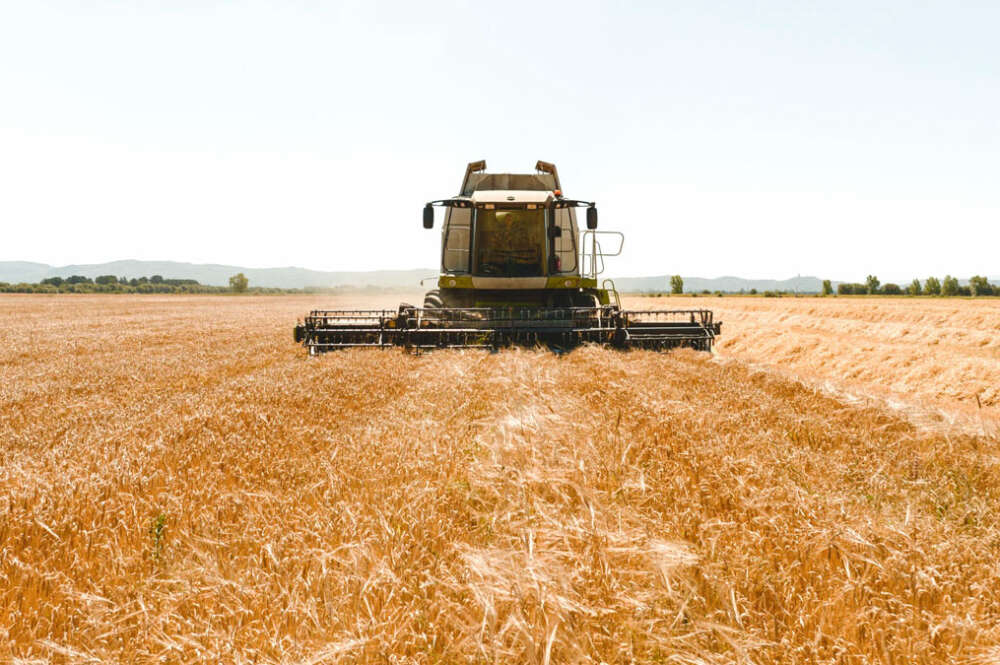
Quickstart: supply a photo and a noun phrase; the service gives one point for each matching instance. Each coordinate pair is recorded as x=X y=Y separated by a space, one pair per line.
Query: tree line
x=932 y=286
x=156 y=284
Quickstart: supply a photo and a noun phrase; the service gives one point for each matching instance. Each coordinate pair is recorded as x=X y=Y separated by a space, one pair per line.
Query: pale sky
x=753 y=139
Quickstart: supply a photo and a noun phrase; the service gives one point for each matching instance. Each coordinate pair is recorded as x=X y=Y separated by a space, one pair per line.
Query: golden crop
x=179 y=483
x=939 y=353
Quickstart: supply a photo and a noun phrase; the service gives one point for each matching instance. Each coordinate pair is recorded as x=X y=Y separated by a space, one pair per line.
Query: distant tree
x=133 y=282
x=851 y=289
x=949 y=286
x=827 y=287
x=753 y=292
x=891 y=289
x=914 y=289
x=106 y=279
x=980 y=286
x=156 y=279
x=872 y=284
x=239 y=283
x=53 y=281
x=78 y=279
x=932 y=286
x=676 y=285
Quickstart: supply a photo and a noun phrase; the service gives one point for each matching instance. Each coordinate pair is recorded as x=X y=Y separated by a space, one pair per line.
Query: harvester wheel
x=433 y=300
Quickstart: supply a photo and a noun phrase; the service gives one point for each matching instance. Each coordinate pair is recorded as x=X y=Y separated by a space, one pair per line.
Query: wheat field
x=940 y=354
x=181 y=484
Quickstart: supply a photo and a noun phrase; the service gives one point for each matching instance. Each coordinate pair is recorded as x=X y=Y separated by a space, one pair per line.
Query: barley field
x=180 y=484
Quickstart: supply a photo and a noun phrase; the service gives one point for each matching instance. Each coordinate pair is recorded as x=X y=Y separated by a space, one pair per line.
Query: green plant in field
x=158 y=532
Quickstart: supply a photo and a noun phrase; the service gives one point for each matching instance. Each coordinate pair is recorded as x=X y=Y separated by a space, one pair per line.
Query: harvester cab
x=515 y=269
x=512 y=240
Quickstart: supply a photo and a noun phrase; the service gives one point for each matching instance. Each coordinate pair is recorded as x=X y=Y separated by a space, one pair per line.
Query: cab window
x=510 y=243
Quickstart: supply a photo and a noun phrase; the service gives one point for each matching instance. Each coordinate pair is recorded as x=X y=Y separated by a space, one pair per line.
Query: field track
x=178 y=483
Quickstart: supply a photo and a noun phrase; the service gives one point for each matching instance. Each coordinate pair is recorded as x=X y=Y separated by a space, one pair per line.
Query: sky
x=762 y=140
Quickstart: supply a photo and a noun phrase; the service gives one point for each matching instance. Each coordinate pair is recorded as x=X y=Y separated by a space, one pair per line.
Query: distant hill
x=214 y=274
x=14 y=272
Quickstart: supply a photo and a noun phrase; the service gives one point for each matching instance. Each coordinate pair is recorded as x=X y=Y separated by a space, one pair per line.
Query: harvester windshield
x=510 y=243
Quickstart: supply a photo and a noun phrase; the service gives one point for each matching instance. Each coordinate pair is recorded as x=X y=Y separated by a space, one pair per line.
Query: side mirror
x=428 y=217
x=555 y=231
x=591 y=218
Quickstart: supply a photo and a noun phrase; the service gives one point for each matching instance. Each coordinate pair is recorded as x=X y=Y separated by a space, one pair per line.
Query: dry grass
x=180 y=484
x=929 y=352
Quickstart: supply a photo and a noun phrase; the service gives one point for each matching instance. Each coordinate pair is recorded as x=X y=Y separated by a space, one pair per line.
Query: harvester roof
x=537 y=182
x=510 y=196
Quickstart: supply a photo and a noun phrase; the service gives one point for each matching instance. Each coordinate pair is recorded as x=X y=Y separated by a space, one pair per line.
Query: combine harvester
x=515 y=269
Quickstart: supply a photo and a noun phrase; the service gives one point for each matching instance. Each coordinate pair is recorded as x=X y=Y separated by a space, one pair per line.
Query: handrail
x=596 y=251
x=613 y=289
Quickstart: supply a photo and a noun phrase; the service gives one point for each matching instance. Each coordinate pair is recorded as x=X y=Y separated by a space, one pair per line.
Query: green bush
x=980 y=286
x=891 y=289
x=851 y=289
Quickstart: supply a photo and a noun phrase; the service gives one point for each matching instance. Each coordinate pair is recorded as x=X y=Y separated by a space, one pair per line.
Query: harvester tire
x=433 y=300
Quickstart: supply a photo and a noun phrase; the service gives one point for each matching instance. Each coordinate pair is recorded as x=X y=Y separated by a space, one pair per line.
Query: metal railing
x=592 y=254
x=609 y=285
